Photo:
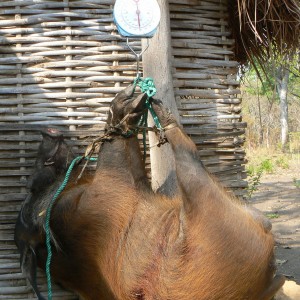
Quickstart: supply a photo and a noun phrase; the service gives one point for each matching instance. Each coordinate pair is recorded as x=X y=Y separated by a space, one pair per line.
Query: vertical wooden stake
x=157 y=63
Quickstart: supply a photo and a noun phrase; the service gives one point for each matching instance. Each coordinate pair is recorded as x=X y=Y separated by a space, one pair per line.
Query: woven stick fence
x=206 y=89
x=61 y=63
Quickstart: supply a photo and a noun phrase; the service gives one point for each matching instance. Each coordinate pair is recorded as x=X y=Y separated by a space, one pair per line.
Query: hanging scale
x=137 y=19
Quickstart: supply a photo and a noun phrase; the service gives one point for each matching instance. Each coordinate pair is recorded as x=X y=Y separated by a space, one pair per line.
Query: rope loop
x=147 y=86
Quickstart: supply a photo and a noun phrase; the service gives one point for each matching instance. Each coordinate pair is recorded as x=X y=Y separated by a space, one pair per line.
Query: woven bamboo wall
x=61 y=63
x=206 y=89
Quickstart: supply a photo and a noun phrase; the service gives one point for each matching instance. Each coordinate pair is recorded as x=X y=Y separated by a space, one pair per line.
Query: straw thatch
x=264 y=28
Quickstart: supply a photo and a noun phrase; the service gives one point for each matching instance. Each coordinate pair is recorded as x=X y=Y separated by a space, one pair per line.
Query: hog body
x=118 y=240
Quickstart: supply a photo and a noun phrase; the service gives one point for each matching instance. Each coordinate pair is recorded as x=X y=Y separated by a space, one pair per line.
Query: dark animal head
x=53 y=158
x=53 y=150
x=52 y=161
x=125 y=109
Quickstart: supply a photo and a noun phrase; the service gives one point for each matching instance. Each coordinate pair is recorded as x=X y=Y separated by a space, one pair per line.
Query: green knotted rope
x=147 y=86
x=143 y=123
x=47 y=222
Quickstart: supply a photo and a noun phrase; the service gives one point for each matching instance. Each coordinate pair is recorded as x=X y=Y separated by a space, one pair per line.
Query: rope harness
x=147 y=86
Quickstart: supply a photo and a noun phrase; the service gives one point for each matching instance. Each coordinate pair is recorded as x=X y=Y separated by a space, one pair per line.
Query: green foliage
x=261 y=87
x=254 y=177
x=263 y=80
x=255 y=172
x=282 y=162
x=251 y=170
x=262 y=84
x=296 y=183
x=273 y=216
x=267 y=166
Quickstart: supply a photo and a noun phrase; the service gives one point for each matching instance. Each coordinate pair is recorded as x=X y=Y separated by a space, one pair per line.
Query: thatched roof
x=264 y=27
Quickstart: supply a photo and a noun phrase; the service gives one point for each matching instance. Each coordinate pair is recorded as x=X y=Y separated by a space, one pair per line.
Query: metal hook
x=137 y=56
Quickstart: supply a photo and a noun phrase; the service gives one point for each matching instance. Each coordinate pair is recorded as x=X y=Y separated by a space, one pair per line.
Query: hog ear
x=52 y=139
x=125 y=94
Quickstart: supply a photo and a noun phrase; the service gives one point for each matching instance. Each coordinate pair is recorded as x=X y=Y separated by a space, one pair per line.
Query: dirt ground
x=278 y=196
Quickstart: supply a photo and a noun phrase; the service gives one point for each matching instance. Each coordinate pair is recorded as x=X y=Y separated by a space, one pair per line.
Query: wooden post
x=157 y=63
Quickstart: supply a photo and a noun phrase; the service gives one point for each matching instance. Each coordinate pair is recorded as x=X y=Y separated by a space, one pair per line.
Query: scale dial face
x=137 y=17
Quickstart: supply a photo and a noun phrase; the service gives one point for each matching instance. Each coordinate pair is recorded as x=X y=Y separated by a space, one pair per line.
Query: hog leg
x=123 y=154
x=191 y=173
x=201 y=192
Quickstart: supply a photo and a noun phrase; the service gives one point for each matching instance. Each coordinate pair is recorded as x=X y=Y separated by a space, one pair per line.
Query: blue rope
x=47 y=222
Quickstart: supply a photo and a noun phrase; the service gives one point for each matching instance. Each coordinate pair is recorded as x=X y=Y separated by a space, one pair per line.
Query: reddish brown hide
x=119 y=240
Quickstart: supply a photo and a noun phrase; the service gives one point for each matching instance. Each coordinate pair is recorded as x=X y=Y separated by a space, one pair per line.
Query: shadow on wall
x=61 y=64
x=207 y=90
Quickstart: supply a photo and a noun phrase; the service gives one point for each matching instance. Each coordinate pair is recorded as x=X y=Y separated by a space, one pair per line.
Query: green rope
x=47 y=222
x=153 y=114
x=144 y=123
x=147 y=86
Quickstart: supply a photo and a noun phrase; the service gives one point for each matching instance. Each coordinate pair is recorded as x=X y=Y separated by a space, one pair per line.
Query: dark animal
x=50 y=167
x=116 y=239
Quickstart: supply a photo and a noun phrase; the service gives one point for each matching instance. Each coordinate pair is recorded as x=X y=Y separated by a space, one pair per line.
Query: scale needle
x=138 y=12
